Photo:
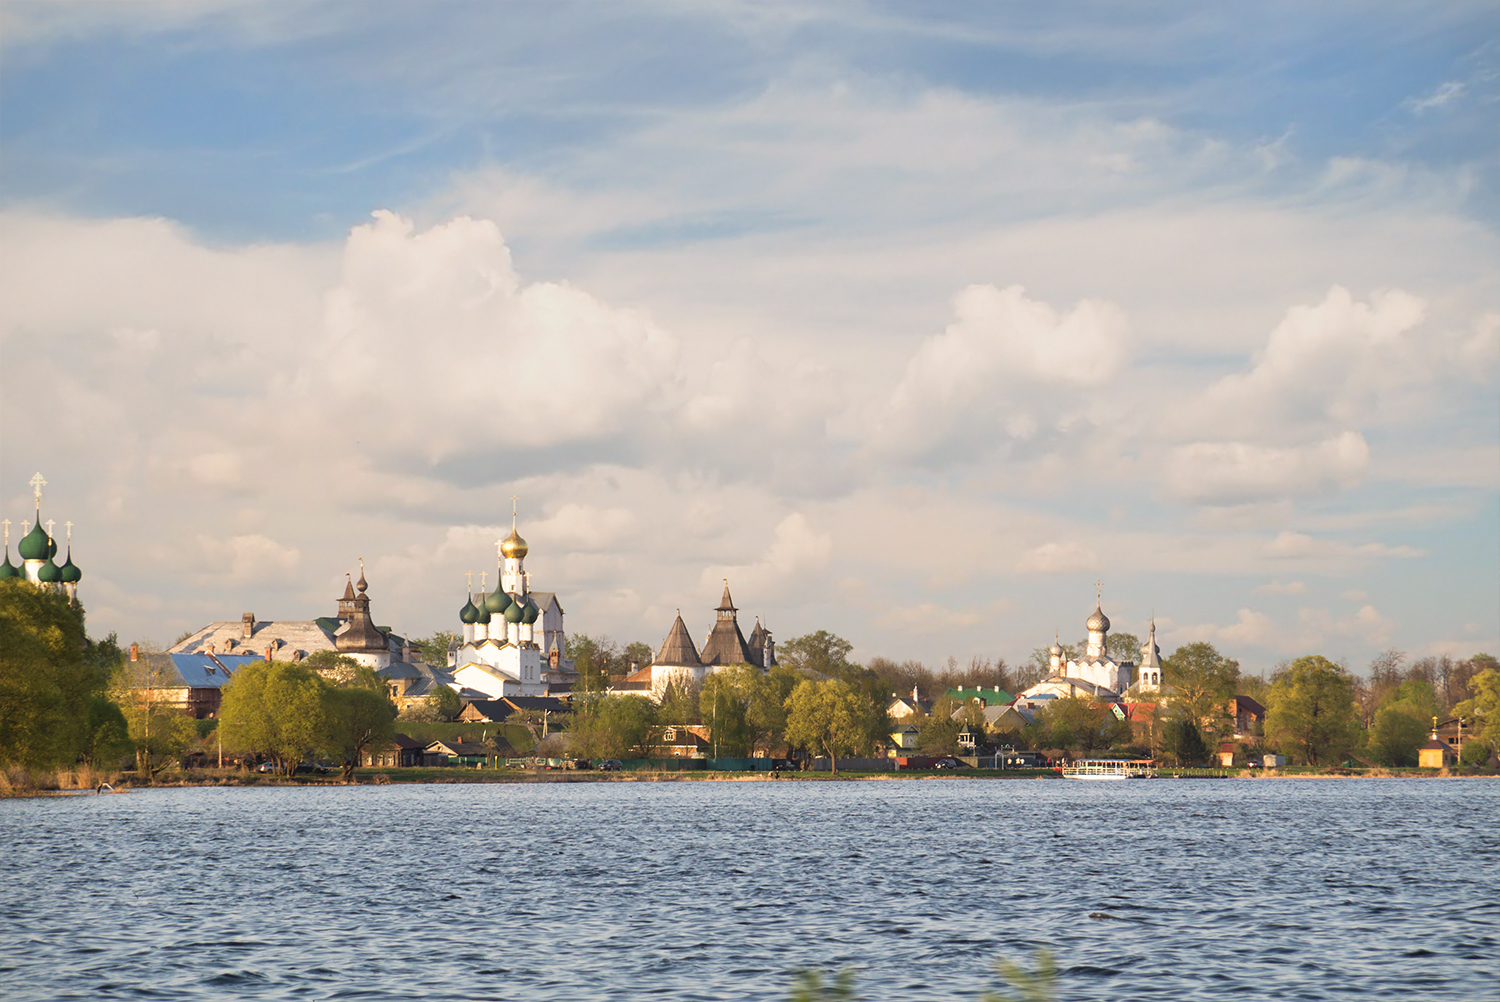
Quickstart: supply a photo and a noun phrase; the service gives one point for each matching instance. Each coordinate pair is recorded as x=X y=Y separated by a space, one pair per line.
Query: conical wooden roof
x=678 y=650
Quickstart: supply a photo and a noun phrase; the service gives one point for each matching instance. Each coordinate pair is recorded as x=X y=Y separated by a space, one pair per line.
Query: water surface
x=1315 y=889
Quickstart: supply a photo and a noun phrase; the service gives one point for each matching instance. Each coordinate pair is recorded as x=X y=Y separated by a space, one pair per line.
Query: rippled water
x=1174 y=890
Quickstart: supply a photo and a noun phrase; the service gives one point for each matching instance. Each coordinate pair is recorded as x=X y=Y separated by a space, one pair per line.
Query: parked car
x=266 y=767
x=1252 y=763
x=610 y=765
x=313 y=767
x=949 y=762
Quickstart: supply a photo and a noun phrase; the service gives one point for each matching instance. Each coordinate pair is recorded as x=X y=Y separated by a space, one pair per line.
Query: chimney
x=914 y=696
x=135 y=651
x=210 y=650
x=268 y=653
x=249 y=619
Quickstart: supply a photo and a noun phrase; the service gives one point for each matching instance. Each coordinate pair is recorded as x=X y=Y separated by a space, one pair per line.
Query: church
x=38 y=552
x=513 y=638
x=678 y=660
x=1095 y=673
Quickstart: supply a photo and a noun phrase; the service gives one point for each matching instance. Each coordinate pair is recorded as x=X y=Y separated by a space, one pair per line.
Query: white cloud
x=1280 y=588
x=1057 y=558
x=1003 y=353
x=252 y=557
x=796 y=550
x=1239 y=472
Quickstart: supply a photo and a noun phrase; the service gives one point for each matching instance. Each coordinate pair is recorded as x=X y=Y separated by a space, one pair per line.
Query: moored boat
x=1110 y=768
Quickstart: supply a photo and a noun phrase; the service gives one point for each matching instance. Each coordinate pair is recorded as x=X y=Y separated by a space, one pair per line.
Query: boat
x=1110 y=768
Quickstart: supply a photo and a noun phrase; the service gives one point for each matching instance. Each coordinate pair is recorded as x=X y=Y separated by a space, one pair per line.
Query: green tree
x=433 y=650
x=613 y=726
x=723 y=708
x=277 y=709
x=1123 y=646
x=446 y=703
x=1182 y=743
x=679 y=702
x=829 y=715
x=1082 y=723
x=49 y=681
x=1202 y=683
x=333 y=667
x=358 y=715
x=937 y=731
x=1312 y=711
x=1482 y=710
x=146 y=690
x=1398 y=730
x=592 y=659
x=822 y=652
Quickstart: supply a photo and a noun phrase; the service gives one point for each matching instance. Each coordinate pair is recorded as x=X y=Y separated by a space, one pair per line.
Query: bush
x=1476 y=753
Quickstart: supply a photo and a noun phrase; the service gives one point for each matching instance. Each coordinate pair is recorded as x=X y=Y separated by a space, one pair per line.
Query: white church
x=513 y=637
x=1095 y=673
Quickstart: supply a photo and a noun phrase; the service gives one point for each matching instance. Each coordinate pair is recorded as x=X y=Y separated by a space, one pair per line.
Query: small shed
x=1435 y=754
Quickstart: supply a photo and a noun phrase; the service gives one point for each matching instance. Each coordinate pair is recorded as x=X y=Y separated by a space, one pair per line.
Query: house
x=993 y=696
x=457 y=753
x=485 y=711
x=683 y=741
x=1249 y=716
x=908 y=707
x=1226 y=754
x=970 y=737
x=401 y=753
x=903 y=738
x=189 y=683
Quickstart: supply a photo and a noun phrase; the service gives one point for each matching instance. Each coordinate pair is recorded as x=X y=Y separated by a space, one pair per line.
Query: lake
x=1306 y=889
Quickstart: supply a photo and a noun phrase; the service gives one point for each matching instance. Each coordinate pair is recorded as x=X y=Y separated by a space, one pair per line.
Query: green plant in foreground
x=1029 y=986
x=1039 y=985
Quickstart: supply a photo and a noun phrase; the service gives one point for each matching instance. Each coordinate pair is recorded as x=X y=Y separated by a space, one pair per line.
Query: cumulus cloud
x=1289 y=545
x=1003 y=354
x=246 y=558
x=796 y=549
x=1240 y=472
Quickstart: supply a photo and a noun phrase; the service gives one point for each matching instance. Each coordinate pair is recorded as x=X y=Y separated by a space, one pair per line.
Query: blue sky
x=913 y=320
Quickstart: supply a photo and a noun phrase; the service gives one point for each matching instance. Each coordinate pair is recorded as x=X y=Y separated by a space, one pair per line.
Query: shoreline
x=481 y=778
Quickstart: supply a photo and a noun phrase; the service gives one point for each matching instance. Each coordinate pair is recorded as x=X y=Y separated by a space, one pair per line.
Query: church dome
x=531 y=613
x=69 y=573
x=37 y=545
x=469 y=613
x=513 y=546
x=497 y=603
x=481 y=614
x=9 y=570
x=49 y=573
x=1098 y=622
x=516 y=611
x=1055 y=650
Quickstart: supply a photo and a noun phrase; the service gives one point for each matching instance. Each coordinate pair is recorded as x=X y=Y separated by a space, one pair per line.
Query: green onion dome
x=481 y=614
x=516 y=611
x=469 y=613
x=37 y=545
x=69 y=573
x=9 y=570
x=498 y=604
x=49 y=573
x=531 y=613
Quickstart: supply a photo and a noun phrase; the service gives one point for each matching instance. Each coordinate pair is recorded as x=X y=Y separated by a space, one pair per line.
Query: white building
x=513 y=637
x=678 y=660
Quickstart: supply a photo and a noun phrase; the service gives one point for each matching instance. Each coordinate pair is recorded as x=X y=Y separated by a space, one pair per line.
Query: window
x=669 y=735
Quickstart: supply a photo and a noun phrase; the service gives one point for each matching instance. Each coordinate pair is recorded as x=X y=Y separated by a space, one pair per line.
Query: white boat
x=1110 y=768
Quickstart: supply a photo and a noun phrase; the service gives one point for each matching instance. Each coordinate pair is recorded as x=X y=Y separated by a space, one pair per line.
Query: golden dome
x=513 y=546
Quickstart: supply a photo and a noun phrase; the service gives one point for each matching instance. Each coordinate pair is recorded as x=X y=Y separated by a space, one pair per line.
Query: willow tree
x=277 y=709
x=829 y=715
x=1312 y=710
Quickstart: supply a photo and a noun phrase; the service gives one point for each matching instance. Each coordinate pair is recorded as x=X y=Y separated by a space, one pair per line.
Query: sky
x=921 y=323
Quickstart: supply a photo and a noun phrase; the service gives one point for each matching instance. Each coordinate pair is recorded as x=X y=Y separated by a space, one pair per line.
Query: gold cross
x=481 y=581
x=69 y=526
x=1098 y=592
x=7 y=530
x=38 y=482
x=50 y=523
x=469 y=577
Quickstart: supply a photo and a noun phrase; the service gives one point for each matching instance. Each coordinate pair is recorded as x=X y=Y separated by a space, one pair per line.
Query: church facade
x=38 y=552
x=514 y=640
x=1095 y=673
